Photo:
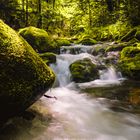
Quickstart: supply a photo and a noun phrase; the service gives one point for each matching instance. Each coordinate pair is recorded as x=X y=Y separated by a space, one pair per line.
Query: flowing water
x=76 y=115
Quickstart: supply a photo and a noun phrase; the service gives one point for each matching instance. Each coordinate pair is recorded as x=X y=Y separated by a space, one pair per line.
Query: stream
x=82 y=111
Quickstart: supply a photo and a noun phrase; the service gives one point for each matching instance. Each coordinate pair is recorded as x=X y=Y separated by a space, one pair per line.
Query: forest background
x=101 y=19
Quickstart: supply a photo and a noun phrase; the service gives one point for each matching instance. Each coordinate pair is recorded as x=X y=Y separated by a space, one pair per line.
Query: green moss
x=62 y=42
x=87 y=41
x=48 y=57
x=83 y=70
x=130 y=62
x=39 y=39
x=23 y=74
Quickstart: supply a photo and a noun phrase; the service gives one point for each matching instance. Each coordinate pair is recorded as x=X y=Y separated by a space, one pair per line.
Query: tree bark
x=23 y=11
x=27 y=14
x=39 y=24
x=47 y=96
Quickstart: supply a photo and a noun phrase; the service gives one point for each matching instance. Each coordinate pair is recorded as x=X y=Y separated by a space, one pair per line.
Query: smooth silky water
x=75 y=115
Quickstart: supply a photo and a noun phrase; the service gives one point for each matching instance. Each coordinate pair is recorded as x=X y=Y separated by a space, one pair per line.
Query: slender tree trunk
x=27 y=13
x=53 y=3
x=89 y=13
x=39 y=24
x=110 y=5
x=23 y=11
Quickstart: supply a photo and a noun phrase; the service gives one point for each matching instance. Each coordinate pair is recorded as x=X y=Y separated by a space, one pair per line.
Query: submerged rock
x=129 y=62
x=39 y=39
x=24 y=76
x=83 y=71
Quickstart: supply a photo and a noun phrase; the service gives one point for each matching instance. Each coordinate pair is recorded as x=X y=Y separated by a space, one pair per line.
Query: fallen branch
x=47 y=96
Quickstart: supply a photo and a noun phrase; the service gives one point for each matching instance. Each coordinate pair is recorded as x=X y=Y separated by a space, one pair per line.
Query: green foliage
x=104 y=20
x=129 y=35
x=87 y=41
x=9 y=12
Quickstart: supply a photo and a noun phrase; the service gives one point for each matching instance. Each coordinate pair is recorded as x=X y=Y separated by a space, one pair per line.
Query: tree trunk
x=89 y=13
x=27 y=14
x=39 y=24
x=23 y=11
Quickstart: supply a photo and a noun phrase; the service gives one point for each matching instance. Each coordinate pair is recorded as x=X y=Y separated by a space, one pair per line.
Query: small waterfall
x=61 y=68
x=108 y=77
x=110 y=74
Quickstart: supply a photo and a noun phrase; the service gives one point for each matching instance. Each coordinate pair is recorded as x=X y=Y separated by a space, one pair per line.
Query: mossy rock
x=83 y=71
x=129 y=35
x=39 y=39
x=137 y=35
x=23 y=74
x=48 y=57
x=87 y=41
x=62 y=42
x=129 y=62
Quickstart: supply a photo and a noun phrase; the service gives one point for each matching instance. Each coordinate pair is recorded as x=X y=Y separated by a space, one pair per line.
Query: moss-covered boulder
x=129 y=62
x=87 y=41
x=83 y=71
x=24 y=77
x=129 y=35
x=48 y=57
x=39 y=39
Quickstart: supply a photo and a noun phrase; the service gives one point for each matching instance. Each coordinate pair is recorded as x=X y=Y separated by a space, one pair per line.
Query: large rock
x=129 y=62
x=39 y=39
x=24 y=77
x=83 y=71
